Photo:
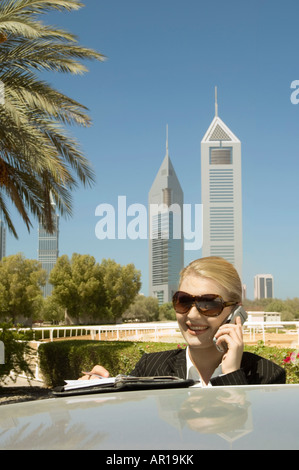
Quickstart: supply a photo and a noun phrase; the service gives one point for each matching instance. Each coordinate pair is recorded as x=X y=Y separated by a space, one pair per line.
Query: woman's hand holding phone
x=231 y=334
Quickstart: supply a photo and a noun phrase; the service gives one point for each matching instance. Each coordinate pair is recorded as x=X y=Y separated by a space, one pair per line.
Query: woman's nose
x=194 y=313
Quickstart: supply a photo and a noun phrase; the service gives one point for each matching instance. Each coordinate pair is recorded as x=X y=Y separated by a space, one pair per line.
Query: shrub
x=285 y=358
x=61 y=360
x=65 y=360
x=18 y=354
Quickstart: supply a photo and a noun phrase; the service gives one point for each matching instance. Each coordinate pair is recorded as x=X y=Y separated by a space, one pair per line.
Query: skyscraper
x=222 y=192
x=263 y=286
x=166 y=240
x=2 y=240
x=48 y=248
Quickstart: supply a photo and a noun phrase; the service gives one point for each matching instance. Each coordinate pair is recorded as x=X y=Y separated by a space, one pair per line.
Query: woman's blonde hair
x=219 y=270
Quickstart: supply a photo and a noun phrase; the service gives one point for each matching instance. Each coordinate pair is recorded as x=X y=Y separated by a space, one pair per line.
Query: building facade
x=263 y=286
x=221 y=189
x=48 y=249
x=166 y=240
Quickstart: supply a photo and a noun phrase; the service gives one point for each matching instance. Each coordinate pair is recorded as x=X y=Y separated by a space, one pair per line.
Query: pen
x=91 y=373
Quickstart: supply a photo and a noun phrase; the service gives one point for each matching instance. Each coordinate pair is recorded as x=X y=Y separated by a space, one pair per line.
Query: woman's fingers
x=95 y=373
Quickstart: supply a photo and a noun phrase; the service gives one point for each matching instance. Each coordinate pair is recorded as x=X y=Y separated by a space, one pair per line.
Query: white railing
x=123 y=330
x=257 y=326
x=137 y=329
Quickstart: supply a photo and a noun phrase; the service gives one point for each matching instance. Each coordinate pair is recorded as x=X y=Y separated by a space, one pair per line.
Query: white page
x=72 y=384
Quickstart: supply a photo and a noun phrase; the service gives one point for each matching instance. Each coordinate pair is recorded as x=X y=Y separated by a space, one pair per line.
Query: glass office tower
x=166 y=240
x=263 y=286
x=221 y=188
x=48 y=249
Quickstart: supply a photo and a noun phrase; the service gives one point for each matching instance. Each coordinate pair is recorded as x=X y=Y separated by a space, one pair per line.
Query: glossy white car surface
x=253 y=417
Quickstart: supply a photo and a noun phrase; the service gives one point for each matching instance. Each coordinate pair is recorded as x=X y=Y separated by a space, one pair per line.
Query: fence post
x=2 y=353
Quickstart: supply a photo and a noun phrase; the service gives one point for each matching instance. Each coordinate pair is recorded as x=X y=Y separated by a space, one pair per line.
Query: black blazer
x=254 y=369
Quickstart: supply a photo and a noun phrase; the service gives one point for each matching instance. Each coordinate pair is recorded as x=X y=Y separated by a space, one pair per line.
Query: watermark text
x=159 y=221
x=295 y=94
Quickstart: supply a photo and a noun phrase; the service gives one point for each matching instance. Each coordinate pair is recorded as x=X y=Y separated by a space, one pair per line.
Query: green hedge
x=286 y=358
x=60 y=360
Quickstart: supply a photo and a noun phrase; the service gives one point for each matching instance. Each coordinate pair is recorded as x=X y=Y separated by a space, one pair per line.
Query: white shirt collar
x=192 y=372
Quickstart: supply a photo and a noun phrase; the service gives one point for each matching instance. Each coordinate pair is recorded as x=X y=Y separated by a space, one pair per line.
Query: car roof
x=237 y=417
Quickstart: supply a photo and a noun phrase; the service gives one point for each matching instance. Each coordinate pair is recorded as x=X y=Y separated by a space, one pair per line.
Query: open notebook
x=120 y=383
x=74 y=384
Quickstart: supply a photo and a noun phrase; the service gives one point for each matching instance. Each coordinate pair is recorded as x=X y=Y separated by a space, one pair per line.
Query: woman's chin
x=199 y=339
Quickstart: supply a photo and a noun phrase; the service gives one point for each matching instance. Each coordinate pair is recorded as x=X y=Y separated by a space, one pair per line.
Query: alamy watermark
x=161 y=222
x=295 y=94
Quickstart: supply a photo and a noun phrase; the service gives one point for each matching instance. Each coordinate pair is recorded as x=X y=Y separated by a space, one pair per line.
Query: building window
x=167 y=196
x=222 y=223
x=160 y=296
x=220 y=155
x=221 y=185
x=225 y=251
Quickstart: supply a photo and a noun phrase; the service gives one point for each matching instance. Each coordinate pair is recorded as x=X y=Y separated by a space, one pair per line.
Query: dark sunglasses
x=210 y=305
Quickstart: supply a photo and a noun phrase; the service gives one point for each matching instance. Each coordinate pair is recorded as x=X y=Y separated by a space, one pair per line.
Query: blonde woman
x=209 y=291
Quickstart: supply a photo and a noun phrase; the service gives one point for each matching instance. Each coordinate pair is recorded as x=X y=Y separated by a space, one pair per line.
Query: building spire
x=216 y=103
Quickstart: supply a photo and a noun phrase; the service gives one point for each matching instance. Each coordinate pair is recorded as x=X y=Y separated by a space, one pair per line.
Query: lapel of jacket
x=177 y=364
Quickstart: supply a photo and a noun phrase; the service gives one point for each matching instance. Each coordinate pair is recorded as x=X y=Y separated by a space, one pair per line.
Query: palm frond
x=38 y=158
x=43 y=54
x=6 y=215
x=18 y=17
x=41 y=97
x=37 y=7
x=33 y=30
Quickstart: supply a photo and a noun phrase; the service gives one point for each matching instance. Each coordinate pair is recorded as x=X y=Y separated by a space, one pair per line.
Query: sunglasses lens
x=182 y=302
x=209 y=305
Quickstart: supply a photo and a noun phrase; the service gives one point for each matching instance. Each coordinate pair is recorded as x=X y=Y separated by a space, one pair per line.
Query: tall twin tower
x=221 y=198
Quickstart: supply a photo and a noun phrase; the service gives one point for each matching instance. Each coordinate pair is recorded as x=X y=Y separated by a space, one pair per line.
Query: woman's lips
x=197 y=329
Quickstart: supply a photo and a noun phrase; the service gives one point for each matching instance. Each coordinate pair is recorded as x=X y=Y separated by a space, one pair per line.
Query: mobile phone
x=238 y=311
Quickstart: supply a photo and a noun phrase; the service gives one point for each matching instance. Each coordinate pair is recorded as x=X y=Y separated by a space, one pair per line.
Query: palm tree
x=39 y=160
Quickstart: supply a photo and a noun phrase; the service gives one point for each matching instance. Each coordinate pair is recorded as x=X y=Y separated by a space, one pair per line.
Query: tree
x=38 y=157
x=275 y=305
x=121 y=284
x=256 y=304
x=52 y=311
x=21 y=280
x=18 y=354
x=167 y=312
x=292 y=306
x=288 y=308
x=93 y=291
x=78 y=286
x=143 y=309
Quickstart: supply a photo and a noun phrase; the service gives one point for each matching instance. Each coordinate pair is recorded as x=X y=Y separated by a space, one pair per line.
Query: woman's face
x=197 y=329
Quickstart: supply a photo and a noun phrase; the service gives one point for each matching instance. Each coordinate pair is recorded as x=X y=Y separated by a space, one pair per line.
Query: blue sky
x=164 y=58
